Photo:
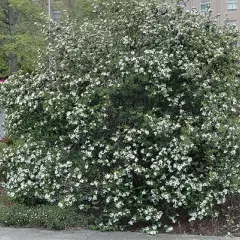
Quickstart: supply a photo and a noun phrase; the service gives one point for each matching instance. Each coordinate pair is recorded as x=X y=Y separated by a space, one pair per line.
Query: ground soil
x=226 y=224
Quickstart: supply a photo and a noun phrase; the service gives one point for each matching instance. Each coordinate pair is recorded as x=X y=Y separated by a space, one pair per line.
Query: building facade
x=227 y=9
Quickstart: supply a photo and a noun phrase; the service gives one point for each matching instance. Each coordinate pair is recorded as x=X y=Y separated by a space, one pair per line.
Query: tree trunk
x=12 y=58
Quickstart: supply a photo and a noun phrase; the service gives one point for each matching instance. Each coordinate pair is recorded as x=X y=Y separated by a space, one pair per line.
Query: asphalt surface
x=83 y=234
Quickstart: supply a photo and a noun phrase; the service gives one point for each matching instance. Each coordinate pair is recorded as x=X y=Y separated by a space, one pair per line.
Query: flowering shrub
x=135 y=114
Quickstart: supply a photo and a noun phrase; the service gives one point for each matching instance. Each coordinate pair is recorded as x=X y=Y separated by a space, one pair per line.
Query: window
x=232 y=5
x=232 y=22
x=204 y=6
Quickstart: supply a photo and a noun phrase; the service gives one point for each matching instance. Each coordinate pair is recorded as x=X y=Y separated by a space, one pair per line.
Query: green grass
x=45 y=216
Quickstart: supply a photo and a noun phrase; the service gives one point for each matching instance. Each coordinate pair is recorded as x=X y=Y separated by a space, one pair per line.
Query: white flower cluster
x=135 y=114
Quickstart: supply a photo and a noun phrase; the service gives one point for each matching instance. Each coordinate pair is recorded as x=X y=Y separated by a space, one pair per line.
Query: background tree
x=20 y=37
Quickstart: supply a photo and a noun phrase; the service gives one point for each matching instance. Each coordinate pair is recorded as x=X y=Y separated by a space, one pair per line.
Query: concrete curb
x=7 y=233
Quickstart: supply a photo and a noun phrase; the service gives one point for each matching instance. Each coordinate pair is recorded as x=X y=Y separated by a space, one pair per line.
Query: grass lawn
x=44 y=216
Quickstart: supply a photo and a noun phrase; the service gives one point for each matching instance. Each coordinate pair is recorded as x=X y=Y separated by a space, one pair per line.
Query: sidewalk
x=83 y=234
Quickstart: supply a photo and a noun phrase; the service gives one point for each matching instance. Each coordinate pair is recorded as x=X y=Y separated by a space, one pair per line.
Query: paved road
x=83 y=234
